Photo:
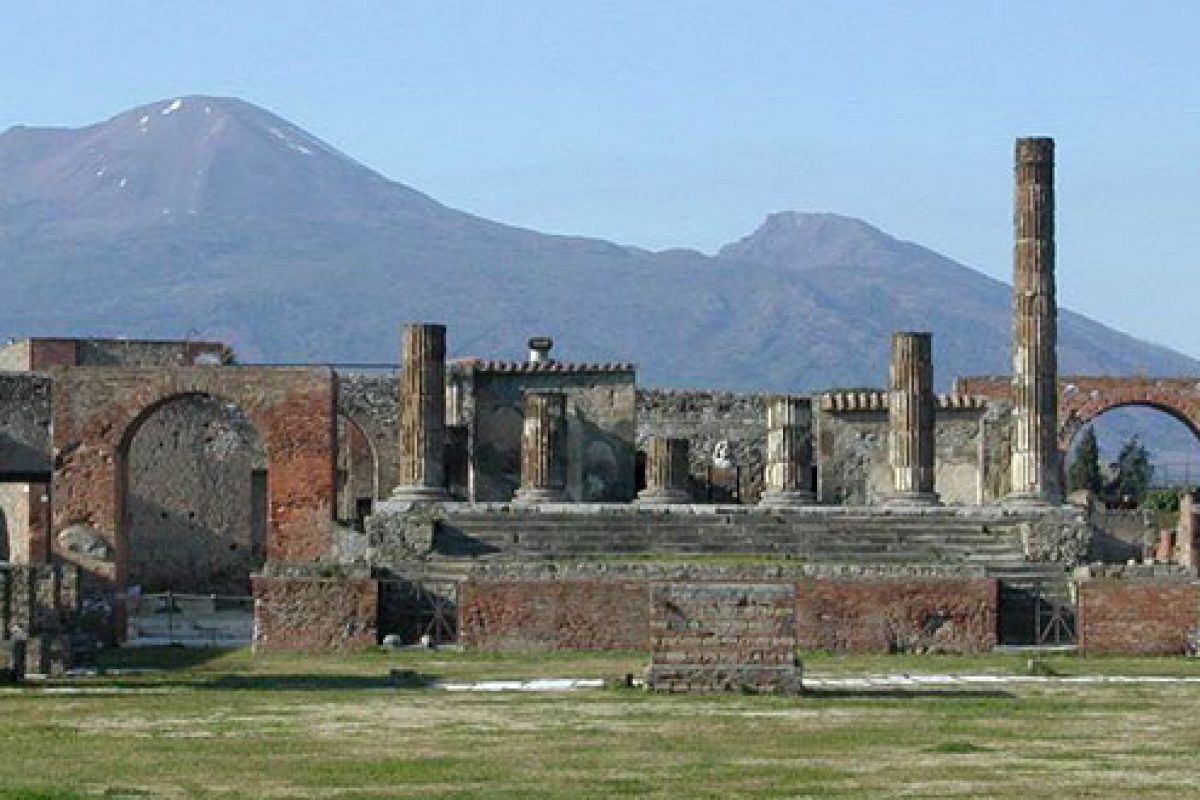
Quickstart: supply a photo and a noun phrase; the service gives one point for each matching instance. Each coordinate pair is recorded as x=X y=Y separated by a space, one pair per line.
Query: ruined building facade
x=545 y=503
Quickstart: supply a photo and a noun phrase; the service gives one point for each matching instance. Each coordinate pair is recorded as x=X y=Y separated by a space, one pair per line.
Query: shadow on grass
x=168 y=657
x=908 y=694
x=277 y=682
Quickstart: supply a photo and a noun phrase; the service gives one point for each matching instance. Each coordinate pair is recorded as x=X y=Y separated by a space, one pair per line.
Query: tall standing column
x=1035 y=456
x=423 y=414
x=544 y=448
x=788 y=475
x=668 y=478
x=910 y=420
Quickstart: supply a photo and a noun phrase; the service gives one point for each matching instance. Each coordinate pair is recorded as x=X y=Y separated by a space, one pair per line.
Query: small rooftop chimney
x=539 y=350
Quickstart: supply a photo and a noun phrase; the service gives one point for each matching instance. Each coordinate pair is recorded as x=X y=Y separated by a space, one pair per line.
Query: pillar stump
x=1035 y=456
x=788 y=480
x=544 y=449
x=910 y=420
x=423 y=415
x=668 y=476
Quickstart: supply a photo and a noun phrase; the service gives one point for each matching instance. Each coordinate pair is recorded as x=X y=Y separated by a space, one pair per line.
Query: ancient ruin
x=557 y=505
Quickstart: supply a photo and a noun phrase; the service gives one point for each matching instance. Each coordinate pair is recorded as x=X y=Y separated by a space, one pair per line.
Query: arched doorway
x=357 y=473
x=192 y=502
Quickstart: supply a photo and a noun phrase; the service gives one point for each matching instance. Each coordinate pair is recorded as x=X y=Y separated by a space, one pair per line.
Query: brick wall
x=723 y=637
x=1136 y=617
x=314 y=614
x=554 y=615
x=950 y=615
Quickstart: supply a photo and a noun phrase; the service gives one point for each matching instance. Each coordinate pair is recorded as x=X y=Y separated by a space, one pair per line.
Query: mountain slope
x=210 y=216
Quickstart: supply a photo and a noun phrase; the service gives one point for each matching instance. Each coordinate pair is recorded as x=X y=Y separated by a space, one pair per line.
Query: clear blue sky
x=683 y=124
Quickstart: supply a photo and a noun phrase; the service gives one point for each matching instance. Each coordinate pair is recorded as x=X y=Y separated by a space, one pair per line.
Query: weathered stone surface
x=1136 y=617
x=313 y=614
x=886 y=615
x=38 y=599
x=488 y=401
x=423 y=414
x=789 y=472
x=96 y=411
x=712 y=637
x=668 y=479
x=1035 y=458
x=1188 y=549
x=368 y=404
x=544 y=448
x=12 y=660
x=580 y=614
x=910 y=419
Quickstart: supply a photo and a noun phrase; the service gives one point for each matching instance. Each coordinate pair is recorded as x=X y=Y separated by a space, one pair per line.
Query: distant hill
x=210 y=216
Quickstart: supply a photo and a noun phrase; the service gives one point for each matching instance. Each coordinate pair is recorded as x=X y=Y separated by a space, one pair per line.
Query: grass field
x=221 y=725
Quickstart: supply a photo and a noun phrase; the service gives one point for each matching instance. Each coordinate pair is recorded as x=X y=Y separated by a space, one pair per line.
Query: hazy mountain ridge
x=234 y=223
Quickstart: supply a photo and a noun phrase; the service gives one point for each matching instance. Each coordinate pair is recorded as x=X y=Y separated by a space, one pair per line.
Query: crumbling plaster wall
x=196 y=504
x=601 y=429
x=24 y=426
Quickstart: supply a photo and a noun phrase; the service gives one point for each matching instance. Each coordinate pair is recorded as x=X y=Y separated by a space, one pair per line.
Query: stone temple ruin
x=552 y=505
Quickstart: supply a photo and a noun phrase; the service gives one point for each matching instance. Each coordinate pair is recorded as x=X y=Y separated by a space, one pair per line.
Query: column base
x=664 y=497
x=534 y=496
x=420 y=494
x=796 y=499
x=913 y=500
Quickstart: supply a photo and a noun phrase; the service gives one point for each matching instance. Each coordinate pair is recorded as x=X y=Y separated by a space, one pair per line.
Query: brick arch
x=1079 y=405
x=96 y=410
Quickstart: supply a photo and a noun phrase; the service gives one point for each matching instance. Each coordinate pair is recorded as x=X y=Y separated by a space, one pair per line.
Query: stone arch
x=192 y=497
x=95 y=409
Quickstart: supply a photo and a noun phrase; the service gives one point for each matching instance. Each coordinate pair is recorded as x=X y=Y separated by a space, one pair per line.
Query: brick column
x=1035 y=456
x=668 y=477
x=423 y=414
x=910 y=420
x=544 y=449
x=788 y=475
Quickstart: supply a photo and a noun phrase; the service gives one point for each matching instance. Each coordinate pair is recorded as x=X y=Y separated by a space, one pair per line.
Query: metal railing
x=190 y=620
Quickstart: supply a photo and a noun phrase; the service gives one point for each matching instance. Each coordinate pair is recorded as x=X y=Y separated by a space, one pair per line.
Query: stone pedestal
x=1035 y=457
x=668 y=478
x=423 y=415
x=544 y=449
x=910 y=420
x=788 y=480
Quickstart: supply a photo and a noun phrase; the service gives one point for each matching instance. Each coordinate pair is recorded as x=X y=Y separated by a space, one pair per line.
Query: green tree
x=1085 y=469
x=1132 y=473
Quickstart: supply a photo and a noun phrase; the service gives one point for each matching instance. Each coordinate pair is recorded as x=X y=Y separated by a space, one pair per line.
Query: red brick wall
x=1136 y=617
x=312 y=614
x=881 y=615
x=555 y=615
x=95 y=410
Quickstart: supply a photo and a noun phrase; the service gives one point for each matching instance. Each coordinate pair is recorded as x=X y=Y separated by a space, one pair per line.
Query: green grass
x=225 y=724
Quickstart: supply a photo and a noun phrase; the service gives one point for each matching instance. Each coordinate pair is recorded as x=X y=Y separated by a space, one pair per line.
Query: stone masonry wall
x=1136 y=617
x=370 y=402
x=866 y=615
x=38 y=599
x=723 y=637
x=314 y=614
x=24 y=426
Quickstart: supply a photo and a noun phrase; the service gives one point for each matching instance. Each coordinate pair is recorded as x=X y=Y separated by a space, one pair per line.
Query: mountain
x=210 y=216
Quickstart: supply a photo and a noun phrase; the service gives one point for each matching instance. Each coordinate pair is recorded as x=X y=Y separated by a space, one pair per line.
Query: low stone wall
x=1136 y=616
x=314 y=614
x=38 y=599
x=713 y=637
x=887 y=615
x=589 y=614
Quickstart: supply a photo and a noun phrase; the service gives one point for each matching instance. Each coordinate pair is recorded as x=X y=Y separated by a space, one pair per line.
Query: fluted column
x=910 y=420
x=544 y=448
x=668 y=477
x=423 y=414
x=1035 y=456
x=788 y=475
